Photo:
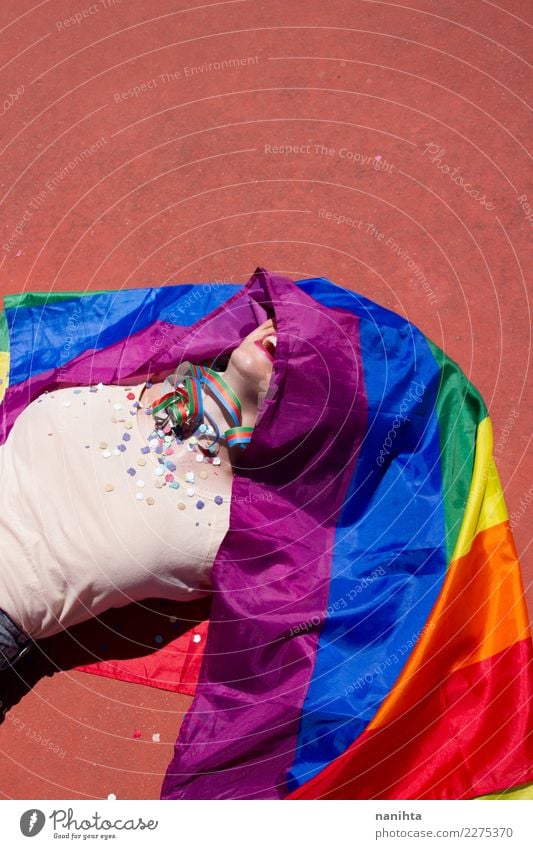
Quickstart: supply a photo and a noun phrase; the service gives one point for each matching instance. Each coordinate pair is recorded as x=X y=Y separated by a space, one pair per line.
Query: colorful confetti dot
x=150 y=500
x=197 y=638
x=136 y=734
x=131 y=471
x=109 y=487
x=200 y=505
x=218 y=499
x=181 y=505
x=156 y=738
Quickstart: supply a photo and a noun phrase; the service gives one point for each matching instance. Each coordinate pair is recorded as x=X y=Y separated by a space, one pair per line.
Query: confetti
x=156 y=738
x=189 y=476
x=200 y=505
x=200 y=458
x=150 y=500
x=140 y=483
x=106 y=454
x=102 y=445
x=139 y=496
x=203 y=474
x=216 y=461
x=197 y=638
x=218 y=499
x=136 y=734
x=181 y=505
x=130 y=396
x=112 y=797
x=109 y=487
x=174 y=485
x=131 y=471
x=190 y=490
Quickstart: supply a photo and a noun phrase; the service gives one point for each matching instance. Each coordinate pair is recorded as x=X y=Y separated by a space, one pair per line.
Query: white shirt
x=79 y=533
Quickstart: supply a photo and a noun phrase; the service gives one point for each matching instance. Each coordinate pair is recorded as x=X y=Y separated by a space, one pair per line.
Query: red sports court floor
x=379 y=144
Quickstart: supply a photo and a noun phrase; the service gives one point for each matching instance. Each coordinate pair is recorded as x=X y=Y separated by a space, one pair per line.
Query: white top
x=86 y=525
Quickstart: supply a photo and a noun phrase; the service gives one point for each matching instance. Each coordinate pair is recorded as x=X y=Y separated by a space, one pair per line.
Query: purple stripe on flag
x=271 y=575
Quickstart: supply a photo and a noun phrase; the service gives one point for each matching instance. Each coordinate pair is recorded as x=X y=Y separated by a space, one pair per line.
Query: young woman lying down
x=112 y=494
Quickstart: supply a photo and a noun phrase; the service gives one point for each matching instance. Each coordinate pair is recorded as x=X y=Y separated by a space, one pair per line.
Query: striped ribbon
x=184 y=407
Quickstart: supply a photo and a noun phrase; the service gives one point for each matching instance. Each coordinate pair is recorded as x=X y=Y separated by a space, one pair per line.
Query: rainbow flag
x=368 y=635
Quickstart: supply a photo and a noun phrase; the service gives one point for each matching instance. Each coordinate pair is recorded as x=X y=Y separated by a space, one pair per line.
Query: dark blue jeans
x=14 y=642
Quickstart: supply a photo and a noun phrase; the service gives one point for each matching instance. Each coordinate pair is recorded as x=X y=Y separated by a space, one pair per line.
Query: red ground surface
x=127 y=161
